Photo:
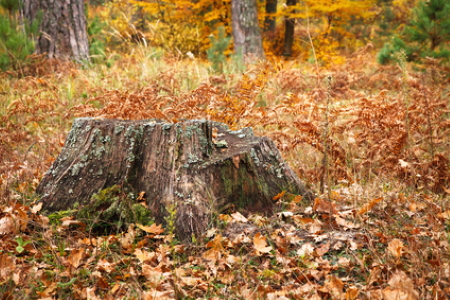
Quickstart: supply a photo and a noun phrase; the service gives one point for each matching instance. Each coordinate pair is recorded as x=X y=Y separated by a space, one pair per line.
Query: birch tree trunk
x=246 y=31
x=63 y=33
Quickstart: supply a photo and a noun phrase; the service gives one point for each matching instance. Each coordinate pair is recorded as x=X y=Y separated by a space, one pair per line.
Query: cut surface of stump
x=196 y=167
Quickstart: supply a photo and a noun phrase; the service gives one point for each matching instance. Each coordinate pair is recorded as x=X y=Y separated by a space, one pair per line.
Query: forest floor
x=379 y=228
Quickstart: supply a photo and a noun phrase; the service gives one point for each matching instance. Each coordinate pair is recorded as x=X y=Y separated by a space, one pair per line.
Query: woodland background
x=358 y=106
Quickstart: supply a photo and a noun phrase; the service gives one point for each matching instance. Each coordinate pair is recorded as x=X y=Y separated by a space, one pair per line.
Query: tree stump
x=200 y=167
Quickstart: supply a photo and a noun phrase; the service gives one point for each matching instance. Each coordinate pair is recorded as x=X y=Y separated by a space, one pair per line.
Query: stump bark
x=201 y=167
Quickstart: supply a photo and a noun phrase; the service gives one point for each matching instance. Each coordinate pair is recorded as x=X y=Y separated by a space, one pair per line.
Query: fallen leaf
x=144 y=256
x=260 y=244
x=344 y=223
x=237 y=216
x=444 y=215
x=368 y=207
x=153 y=229
x=351 y=293
x=285 y=214
x=403 y=163
x=315 y=227
x=36 y=208
x=155 y=275
x=7 y=266
x=154 y=294
x=216 y=243
x=302 y=221
x=7 y=225
x=395 y=247
x=211 y=232
x=374 y=276
x=335 y=286
x=105 y=265
x=278 y=196
x=76 y=256
x=400 y=287
x=306 y=250
x=90 y=293
x=216 y=250
x=68 y=221
x=323 y=206
x=225 y=218
x=322 y=249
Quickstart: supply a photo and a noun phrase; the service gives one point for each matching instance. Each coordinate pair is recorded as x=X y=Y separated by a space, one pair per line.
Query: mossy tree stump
x=199 y=167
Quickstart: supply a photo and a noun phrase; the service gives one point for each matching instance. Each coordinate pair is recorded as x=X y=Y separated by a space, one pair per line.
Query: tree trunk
x=62 y=27
x=199 y=167
x=246 y=31
x=289 y=32
x=270 y=20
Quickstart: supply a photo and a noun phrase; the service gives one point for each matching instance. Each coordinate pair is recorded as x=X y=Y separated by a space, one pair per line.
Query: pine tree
x=16 y=42
x=424 y=36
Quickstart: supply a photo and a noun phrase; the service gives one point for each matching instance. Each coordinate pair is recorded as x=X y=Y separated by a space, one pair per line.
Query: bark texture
x=63 y=33
x=246 y=31
x=199 y=167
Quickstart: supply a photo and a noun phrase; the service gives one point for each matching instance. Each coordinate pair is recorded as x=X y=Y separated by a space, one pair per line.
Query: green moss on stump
x=111 y=210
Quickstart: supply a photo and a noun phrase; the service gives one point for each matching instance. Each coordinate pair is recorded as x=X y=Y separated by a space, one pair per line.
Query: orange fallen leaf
x=335 y=287
x=216 y=243
x=444 y=215
x=351 y=293
x=323 y=206
x=368 y=207
x=7 y=266
x=153 y=229
x=225 y=218
x=144 y=256
x=395 y=247
x=279 y=196
x=375 y=276
x=76 y=256
x=260 y=244
x=216 y=250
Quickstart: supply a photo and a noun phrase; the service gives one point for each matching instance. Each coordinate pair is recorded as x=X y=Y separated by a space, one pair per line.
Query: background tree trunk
x=246 y=31
x=62 y=27
x=199 y=167
x=289 y=31
x=270 y=21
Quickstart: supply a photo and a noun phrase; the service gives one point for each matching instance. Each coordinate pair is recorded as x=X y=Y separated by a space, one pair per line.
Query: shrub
x=16 y=42
x=216 y=54
x=425 y=36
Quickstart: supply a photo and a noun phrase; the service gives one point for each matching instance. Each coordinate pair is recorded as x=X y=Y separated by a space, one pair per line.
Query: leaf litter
x=332 y=252
x=361 y=242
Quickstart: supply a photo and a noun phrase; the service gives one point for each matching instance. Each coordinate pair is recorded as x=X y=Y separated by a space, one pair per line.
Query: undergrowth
x=384 y=219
